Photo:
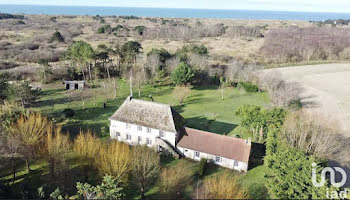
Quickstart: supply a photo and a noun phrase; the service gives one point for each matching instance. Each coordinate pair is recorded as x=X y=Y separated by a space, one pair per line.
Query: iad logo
x=332 y=176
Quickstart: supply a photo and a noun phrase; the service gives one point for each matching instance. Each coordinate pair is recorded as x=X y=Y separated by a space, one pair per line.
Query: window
x=196 y=153
x=128 y=137
x=139 y=139
x=148 y=141
x=161 y=134
x=117 y=134
x=128 y=126
x=186 y=150
x=148 y=130
x=235 y=163
x=139 y=128
x=217 y=159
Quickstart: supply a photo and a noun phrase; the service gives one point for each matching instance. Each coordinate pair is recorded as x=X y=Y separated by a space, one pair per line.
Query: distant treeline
x=10 y=16
x=337 y=21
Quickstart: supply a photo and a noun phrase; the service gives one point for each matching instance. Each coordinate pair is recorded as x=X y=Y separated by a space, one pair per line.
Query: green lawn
x=204 y=110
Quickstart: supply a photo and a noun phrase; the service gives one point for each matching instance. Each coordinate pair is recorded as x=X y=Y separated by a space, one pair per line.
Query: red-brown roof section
x=215 y=144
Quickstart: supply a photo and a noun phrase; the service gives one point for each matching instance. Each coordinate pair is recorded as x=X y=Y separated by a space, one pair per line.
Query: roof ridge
x=171 y=116
x=216 y=135
x=151 y=102
x=146 y=113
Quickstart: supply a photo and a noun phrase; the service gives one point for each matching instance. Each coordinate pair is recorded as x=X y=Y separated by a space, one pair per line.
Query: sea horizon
x=170 y=12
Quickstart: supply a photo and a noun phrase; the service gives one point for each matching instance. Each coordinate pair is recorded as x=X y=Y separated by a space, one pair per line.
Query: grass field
x=204 y=110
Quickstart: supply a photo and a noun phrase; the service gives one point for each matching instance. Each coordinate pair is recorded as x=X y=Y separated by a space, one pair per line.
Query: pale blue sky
x=285 y=5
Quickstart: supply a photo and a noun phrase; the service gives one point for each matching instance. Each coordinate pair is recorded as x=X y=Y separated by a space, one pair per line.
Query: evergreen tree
x=182 y=74
x=289 y=171
x=109 y=189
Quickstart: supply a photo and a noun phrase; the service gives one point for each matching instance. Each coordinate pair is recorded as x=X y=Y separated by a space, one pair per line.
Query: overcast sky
x=283 y=5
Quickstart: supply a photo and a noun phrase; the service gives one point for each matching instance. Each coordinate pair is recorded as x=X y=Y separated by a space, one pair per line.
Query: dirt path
x=326 y=88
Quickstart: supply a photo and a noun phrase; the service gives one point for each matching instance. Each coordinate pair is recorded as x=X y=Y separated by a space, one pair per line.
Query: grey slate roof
x=149 y=114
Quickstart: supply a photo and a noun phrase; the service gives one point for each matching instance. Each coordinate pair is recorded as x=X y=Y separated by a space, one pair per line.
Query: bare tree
x=234 y=71
x=281 y=92
x=172 y=63
x=312 y=132
x=199 y=61
x=152 y=64
x=311 y=43
x=140 y=74
x=145 y=167
x=181 y=93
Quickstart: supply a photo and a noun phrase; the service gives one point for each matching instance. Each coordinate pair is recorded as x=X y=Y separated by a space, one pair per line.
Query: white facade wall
x=121 y=128
x=225 y=162
x=132 y=130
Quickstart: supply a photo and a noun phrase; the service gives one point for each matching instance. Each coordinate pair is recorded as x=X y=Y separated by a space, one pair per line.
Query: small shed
x=74 y=85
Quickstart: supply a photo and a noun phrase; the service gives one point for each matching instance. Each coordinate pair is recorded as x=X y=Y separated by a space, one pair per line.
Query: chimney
x=129 y=98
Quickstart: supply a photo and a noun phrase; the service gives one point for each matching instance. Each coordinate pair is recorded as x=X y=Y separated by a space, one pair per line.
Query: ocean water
x=170 y=12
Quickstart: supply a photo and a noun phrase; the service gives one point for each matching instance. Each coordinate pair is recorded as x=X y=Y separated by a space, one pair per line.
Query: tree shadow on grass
x=52 y=91
x=50 y=102
x=258 y=191
x=211 y=169
x=209 y=125
x=91 y=117
x=257 y=154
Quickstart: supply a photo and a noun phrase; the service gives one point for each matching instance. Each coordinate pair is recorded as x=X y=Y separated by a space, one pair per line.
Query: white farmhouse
x=139 y=122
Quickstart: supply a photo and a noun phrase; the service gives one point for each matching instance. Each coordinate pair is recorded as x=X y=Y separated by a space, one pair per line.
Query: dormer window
x=128 y=126
x=139 y=128
x=161 y=134
x=148 y=130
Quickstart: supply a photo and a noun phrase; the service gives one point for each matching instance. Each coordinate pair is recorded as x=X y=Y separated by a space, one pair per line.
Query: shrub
x=345 y=54
x=181 y=93
x=20 y=22
x=53 y=19
x=191 y=49
x=249 y=87
x=223 y=186
x=104 y=29
x=202 y=166
x=56 y=36
x=23 y=93
x=68 y=113
x=163 y=54
x=312 y=43
x=182 y=74
x=242 y=31
x=139 y=29
x=258 y=120
x=173 y=180
x=100 y=30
